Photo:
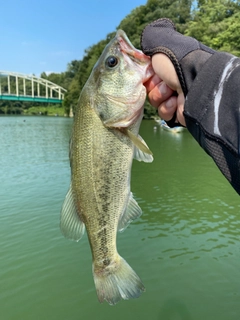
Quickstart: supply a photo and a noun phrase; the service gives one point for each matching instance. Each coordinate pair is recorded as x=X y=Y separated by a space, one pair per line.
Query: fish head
x=117 y=93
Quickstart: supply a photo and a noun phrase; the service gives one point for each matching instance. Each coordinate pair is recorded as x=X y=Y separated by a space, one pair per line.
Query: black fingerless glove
x=212 y=106
x=186 y=53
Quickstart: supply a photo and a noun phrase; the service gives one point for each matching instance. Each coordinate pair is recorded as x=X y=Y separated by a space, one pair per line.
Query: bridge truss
x=22 y=87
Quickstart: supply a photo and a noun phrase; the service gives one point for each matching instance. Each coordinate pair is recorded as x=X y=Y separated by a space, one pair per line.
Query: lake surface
x=185 y=247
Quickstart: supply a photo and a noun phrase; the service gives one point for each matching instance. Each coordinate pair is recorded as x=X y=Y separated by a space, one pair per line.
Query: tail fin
x=117 y=282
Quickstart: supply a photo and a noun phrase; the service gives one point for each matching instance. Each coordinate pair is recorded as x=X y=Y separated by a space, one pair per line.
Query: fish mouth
x=136 y=55
x=136 y=61
x=127 y=47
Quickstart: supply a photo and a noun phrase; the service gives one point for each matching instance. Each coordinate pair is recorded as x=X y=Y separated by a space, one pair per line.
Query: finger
x=180 y=108
x=164 y=68
x=159 y=94
x=167 y=109
x=152 y=82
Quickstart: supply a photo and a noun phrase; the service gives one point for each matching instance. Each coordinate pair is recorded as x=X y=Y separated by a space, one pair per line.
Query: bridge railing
x=17 y=86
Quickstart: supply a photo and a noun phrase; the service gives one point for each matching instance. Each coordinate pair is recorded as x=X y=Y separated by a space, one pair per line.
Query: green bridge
x=20 y=87
x=29 y=98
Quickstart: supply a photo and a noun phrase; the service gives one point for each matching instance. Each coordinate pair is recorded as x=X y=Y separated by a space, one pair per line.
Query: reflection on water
x=185 y=246
x=174 y=309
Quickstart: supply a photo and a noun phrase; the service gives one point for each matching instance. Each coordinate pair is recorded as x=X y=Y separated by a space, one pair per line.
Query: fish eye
x=111 y=61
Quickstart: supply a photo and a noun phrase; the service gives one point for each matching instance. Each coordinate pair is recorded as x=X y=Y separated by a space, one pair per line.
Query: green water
x=185 y=247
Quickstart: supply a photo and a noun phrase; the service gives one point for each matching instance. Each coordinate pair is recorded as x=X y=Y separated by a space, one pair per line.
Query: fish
x=103 y=143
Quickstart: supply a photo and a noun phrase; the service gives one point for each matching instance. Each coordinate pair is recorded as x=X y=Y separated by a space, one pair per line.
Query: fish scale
x=104 y=141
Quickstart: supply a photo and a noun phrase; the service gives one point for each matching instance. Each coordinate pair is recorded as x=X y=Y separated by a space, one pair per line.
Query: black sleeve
x=210 y=81
x=212 y=113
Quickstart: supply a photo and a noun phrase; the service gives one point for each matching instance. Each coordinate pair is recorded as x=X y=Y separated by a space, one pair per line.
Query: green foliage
x=132 y=24
x=216 y=23
x=31 y=108
x=11 y=107
x=149 y=111
x=45 y=110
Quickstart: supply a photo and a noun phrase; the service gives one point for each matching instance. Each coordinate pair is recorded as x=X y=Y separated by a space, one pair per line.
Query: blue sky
x=46 y=35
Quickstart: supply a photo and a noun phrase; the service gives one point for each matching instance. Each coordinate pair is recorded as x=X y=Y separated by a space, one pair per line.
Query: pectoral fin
x=132 y=212
x=137 y=141
x=140 y=155
x=70 y=224
x=141 y=151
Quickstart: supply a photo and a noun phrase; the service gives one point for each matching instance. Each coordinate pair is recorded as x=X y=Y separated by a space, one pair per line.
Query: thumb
x=164 y=68
x=186 y=54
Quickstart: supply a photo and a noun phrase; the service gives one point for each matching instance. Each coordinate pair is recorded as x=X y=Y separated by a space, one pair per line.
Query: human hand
x=164 y=90
x=176 y=60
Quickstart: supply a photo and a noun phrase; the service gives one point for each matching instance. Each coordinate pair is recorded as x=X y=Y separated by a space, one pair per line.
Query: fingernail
x=169 y=104
x=163 y=88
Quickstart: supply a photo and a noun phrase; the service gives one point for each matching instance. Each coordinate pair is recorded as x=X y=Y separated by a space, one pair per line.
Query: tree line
x=216 y=23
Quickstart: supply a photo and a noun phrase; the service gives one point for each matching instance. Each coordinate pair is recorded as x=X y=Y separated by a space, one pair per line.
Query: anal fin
x=132 y=212
x=70 y=224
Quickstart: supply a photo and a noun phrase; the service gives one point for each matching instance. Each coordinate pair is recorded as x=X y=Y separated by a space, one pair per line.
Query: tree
x=71 y=97
x=217 y=24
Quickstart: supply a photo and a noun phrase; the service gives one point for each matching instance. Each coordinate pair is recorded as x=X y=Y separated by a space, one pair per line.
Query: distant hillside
x=216 y=23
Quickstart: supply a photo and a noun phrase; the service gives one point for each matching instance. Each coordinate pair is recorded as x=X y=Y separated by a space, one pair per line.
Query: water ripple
x=185 y=246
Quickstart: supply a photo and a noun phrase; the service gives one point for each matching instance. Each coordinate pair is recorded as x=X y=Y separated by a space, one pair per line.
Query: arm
x=207 y=95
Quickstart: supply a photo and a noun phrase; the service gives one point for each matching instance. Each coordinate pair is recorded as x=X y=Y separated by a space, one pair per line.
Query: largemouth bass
x=103 y=144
